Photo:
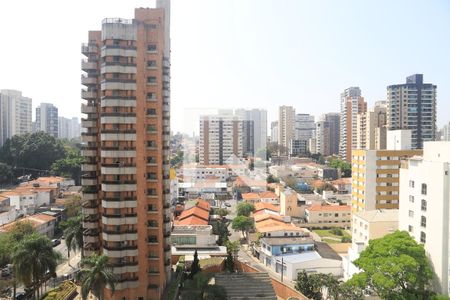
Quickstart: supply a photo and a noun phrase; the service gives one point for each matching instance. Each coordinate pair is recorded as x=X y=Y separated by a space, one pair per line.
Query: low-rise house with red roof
x=343 y=185
x=325 y=215
x=269 y=197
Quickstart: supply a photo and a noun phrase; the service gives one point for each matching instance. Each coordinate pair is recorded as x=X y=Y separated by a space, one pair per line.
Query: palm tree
x=95 y=275
x=33 y=257
x=73 y=230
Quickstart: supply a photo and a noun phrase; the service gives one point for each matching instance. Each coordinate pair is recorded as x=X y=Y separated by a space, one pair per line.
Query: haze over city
x=241 y=53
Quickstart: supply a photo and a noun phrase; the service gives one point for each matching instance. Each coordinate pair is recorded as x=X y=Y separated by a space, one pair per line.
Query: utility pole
x=282 y=261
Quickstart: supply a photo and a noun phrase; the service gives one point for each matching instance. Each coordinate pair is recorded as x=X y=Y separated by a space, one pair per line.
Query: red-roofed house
x=269 y=197
x=343 y=185
x=251 y=197
x=262 y=206
x=328 y=215
x=44 y=224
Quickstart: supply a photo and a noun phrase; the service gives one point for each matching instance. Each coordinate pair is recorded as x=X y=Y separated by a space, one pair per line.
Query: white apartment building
x=445 y=132
x=15 y=114
x=327 y=134
x=258 y=119
x=352 y=104
x=47 y=119
x=220 y=139
x=412 y=105
x=274 y=131
x=425 y=207
x=68 y=128
x=286 y=127
x=304 y=127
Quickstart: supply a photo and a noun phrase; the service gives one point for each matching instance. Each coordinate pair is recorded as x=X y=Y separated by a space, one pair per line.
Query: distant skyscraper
x=371 y=128
x=412 y=105
x=220 y=139
x=68 y=128
x=286 y=127
x=304 y=127
x=15 y=114
x=47 y=119
x=351 y=105
x=445 y=132
x=327 y=134
x=258 y=120
x=126 y=181
x=274 y=132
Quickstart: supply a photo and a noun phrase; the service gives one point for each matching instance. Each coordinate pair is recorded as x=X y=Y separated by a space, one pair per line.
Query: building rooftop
x=326 y=251
x=301 y=257
x=36 y=220
x=250 y=196
x=378 y=215
x=266 y=206
x=342 y=181
x=268 y=194
x=191 y=220
x=318 y=207
x=278 y=226
x=277 y=241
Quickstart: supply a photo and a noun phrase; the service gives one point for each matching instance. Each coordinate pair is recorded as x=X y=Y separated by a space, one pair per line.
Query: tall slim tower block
x=15 y=114
x=126 y=194
x=286 y=127
x=352 y=104
x=412 y=105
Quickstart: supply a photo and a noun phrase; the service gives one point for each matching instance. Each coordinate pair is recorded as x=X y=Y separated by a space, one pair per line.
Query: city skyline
x=308 y=64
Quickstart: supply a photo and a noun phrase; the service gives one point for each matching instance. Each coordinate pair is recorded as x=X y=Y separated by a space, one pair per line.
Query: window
x=151 y=160
x=411 y=198
x=151 y=176
x=423 y=221
x=151 y=47
x=423 y=237
x=423 y=205
x=151 y=112
x=151 y=192
x=410 y=228
x=411 y=183
x=151 y=96
x=152 y=239
x=151 y=128
x=151 y=64
x=411 y=213
x=151 y=144
x=424 y=189
x=151 y=79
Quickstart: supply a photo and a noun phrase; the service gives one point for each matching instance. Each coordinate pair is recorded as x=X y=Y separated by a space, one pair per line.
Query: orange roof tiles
x=279 y=226
x=35 y=220
x=261 y=216
x=194 y=211
x=268 y=206
x=318 y=207
x=250 y=196
x=203 y=204
x=192 y=220
x=245 y=181
x=268 y=194
x=342 y=181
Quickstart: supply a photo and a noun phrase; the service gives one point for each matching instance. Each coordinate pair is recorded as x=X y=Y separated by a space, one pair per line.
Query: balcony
x=118 y=103
x=89 y=195
x=119 y=252
x=130 y=283
x=88 y=95
x=90 y=239
x=123 y=86
x=118 y=137
x=118 y=220
x=88 y=81
x=88 y=180
x=119 y=236
x=117 y=203
x=90 y=225
x=118 y=69
x=88 y=123
x=127 y=52
x=87 y=49
x=118 y=120
x=118 y=170
x=89 y=211
x=88 y=167
x=125 y=268
x=118 y=153
x=88 y=65
x=88 y=109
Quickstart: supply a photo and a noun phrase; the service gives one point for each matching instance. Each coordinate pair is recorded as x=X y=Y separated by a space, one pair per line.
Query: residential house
x=326 y=215
x=43 y=224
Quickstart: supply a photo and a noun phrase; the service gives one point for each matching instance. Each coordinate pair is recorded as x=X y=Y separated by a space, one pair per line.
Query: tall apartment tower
x=352 y=104
x=274 y=132
x=68 y=128
x=371 y=128
x=304 y=127
x=256 y=118
x=126 y=185
x=424 y=207
x=445 y=133
x=47 y=119
x=286 y=127
x=327 y=134
x=220 y=139
x=15 y=114
x=412 y=105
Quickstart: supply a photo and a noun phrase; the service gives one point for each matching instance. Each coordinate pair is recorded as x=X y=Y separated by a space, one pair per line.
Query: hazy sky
x=240 y=53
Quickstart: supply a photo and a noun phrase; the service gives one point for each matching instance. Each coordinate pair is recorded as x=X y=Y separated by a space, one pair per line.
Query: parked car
x=227 y=204
x=56 y=242
x=20 y=296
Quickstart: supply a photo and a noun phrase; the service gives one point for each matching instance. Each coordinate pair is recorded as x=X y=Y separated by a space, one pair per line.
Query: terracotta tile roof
x=318 y=207
x=342 y=181
x=279 y=227
x=262 y=216
x=269 y=206
x=245 y=181
x=250 y=196
x=268 y=194
x=35 y=220
x=317 y=183
x=194 y=211
x=191 y=220
x=203 y=204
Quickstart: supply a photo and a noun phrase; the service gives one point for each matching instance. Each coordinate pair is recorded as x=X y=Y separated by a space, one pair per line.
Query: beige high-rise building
x=327 y=134
x=126 y=189
x=371 y=128
x=375 y=174
x=286 y=127
x=352 y=104
x=15 y=114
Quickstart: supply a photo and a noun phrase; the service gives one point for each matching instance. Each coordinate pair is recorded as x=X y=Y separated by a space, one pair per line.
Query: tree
x=244 y=224
x=232 y=251
x=95 y=275
x=34 y=152
x=195 y=267
x=70 y=165
x=6 y=174
x=394 y=267
x=33 y=257
x=73 y=206
x=222 y=212
x=272 y=179
x=73 y=230
x=220 y=228
x=244 y=209
x=345 y=167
